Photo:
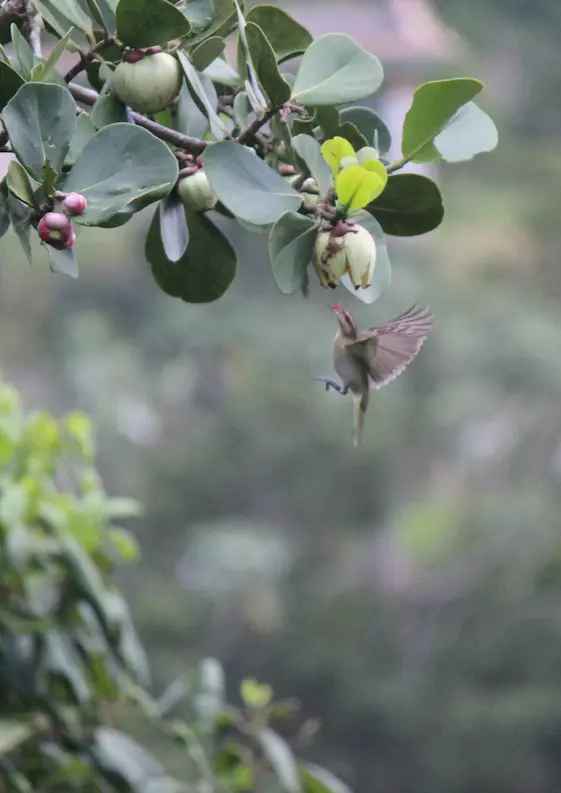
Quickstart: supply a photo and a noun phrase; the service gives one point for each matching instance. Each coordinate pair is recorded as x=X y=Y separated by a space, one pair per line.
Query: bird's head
x=347 y=324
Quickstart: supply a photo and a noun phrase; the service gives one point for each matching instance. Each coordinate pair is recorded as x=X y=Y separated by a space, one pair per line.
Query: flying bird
x=366 y=359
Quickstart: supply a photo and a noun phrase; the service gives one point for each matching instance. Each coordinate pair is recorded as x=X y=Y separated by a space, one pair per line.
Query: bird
x=372 y=358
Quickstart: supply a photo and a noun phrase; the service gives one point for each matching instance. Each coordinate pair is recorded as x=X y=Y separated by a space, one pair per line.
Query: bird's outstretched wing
x=388 y=349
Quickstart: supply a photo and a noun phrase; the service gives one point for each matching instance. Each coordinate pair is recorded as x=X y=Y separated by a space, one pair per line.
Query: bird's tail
x=360 y=407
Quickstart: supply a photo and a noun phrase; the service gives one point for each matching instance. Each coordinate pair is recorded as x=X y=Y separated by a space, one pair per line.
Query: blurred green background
x=409 y=594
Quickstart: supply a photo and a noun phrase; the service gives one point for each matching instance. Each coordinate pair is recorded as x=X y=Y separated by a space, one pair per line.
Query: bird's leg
x=330 y=383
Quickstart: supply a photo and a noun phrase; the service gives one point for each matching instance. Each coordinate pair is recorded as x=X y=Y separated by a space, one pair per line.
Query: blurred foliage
x=72 y=667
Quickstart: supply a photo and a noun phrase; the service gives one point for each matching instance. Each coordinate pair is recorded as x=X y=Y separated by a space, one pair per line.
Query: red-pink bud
x=56 y=221
x=132 y=56
x=153 y=50
x=54 y=226
x=75 y=204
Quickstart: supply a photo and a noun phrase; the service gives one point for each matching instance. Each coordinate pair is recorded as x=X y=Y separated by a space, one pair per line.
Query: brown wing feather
x=389 y=349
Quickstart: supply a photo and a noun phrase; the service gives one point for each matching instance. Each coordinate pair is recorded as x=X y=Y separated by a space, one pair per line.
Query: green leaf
x=242 y=109
x=19 y=184
x=107 y=110
x=209 y=699
x=13 y=733
x=221 y=72
x=327 y=118
x=410 y=205
x=350 y=133
x=469 y=132
x=63 y=262
x=382 y=271
x=83 y=133
x=188 y=118
x=255 y=695
x=286 y=36
x=206 y=269
x=143 y=23
x=10 y=82
x=124 y=543
x=200 y=96
x=247 y=68
x=370 y=125
x=434 y=104
x=22 y=52
x=334 y=69
x=200 y=14
x=55 y=55
x=356 y=186
x=62 y=14
x=309 y=150
x=265 y=65
x=120 y=166
x=20 y=218
x=246 y=185
x=173 y=227
x=40 y=120
x=290 y=246
x=59 y=659
x=223 y=23
x=280 y=756
x=207 y=52
x=116 y=753
x=4 y=216
x=319 y=780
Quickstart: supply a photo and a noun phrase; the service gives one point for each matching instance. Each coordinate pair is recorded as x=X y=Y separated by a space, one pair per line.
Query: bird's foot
x=330 y=383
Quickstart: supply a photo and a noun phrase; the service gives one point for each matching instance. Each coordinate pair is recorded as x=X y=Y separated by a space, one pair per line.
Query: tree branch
x=85 y=59
x=35 y=27
x=185 y=142
x=252 y=129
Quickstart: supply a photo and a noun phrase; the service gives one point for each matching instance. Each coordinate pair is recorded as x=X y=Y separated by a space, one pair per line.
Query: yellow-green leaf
x=356 y=187
x=334 y=150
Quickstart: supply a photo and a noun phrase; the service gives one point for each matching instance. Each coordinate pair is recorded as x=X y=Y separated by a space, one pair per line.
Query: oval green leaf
x=286 y=36
x=40 y=120
x=282 y=760
x=63 y=262
x=122 y=164
x=309 y=150
x=334 y=69
x=173 y=226
x=19 y=184
x=265 y=65
x=410 y=205
x=290 y=246
x=434 y=104
x=143 y=23
x=319 y=780
x=370 y=125
x=246 y=185
x=471 y=131
x=207 y=52
x=10 y=82
x=206 y=269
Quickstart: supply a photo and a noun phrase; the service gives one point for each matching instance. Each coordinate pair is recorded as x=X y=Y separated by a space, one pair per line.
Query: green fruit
x=149 y=85
x=196 y=193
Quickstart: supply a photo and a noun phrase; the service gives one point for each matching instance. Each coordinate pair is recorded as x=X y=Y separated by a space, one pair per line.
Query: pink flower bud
x=133 y=56
x=153 y=50
x=75 y=204
x=54 y=226
x=56 y=221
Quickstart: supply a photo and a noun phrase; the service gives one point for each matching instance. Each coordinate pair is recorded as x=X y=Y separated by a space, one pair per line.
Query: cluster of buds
x=193 y=187
x=344 y=248
x=55 y=228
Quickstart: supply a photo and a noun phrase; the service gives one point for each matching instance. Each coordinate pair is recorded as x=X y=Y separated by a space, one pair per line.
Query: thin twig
x=35 y=27
x=86 y=58
x=252 y=129
x=184 y=142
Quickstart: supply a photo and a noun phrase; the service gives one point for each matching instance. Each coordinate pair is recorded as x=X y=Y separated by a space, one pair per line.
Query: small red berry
x=199 y=161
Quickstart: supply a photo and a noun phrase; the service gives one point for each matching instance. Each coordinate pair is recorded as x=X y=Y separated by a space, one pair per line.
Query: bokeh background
x=409 y=594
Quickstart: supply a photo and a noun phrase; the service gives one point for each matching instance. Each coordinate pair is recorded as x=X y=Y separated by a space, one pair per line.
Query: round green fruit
x=196 y=193
x=149 y=84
